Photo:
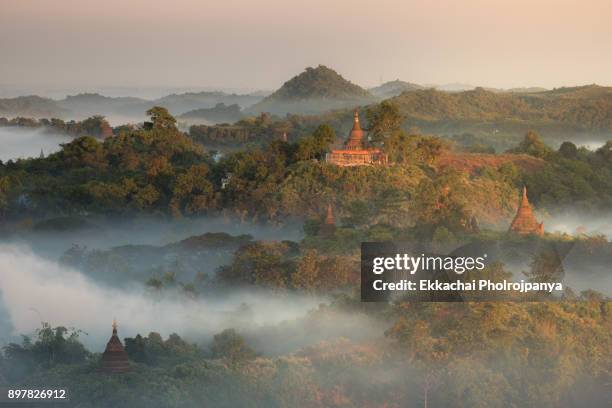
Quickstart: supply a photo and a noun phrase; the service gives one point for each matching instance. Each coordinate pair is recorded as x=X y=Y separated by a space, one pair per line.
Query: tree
x=193 y=190
x=231 y=347
x=383 y=119
x=605 y=152
x=315 y=146
x=5 y=187
x=323 y=136
x=546 y=266
x=160 y=119
x=52 y=345
x=532 y=145
x=307 y=271
x=568 y=150
x=84 y=151
x=429 y=149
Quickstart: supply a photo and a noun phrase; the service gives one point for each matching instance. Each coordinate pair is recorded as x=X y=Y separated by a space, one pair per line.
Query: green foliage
x=51 y=346
x=232 y=348
x=152 y=170
x=153 y=350
x=315 y=146
x=413 y=149
x=383 y=120
x=442 y=203
x=160 y=119
x=533 y=145
x=568 y=150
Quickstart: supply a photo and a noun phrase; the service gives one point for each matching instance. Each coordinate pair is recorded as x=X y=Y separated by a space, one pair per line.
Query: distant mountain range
x=445 y=109
x=394 y=88
x=89 y=104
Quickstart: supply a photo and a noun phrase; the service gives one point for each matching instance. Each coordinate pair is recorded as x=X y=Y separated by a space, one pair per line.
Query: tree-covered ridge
x=34 y=106
x=96 y=126
x=221 y=113
x=588 y=107
x=393 y=88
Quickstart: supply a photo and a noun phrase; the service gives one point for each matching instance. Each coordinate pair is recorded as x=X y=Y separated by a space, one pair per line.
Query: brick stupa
x=328 y=228
x=524 y=222
x=115 y=358
x=355 y=151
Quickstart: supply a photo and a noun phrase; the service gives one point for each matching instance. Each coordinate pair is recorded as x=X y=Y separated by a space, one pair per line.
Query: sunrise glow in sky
x=260 y=44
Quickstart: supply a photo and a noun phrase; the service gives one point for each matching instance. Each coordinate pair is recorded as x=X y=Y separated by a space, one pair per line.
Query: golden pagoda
x=115 y=358
x=525 y=223
x=355 y=152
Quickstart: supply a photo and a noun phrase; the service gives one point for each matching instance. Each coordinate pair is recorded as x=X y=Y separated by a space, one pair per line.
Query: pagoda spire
x=115 y=358
x=329 y=218
x=525 y=223
x=328 y=228
x=525 y=200
x=355 y=139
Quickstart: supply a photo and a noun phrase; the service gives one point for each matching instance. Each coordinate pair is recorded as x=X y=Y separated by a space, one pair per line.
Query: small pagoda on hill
x=355 y=152
x=524 y=222
x=115 y=358
x=328 y=228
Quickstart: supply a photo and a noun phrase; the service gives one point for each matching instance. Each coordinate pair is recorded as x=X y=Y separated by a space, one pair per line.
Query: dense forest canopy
x=159 y=169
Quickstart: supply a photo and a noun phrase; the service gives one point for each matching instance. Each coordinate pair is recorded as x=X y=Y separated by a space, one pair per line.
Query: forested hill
x=586 y=107
x=314 y=90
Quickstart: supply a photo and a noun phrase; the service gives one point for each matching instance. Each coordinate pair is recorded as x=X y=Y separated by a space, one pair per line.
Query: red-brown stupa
x=524 y=222
x=328 y=228
x=355 y=139
x=115 y=358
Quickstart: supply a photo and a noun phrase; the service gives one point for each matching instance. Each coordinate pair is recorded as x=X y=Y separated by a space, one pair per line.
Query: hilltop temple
x=524 y=222
x=355 y=152
x=115 y=358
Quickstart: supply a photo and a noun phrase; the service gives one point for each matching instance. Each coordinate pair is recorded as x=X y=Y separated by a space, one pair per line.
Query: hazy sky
x=260 y=44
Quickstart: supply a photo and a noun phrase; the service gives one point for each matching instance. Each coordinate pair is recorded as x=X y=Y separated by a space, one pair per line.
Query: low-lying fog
x=34 y=289
x=22 y=143
x=575 y=222
x=591 y=145
x=103 y=234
